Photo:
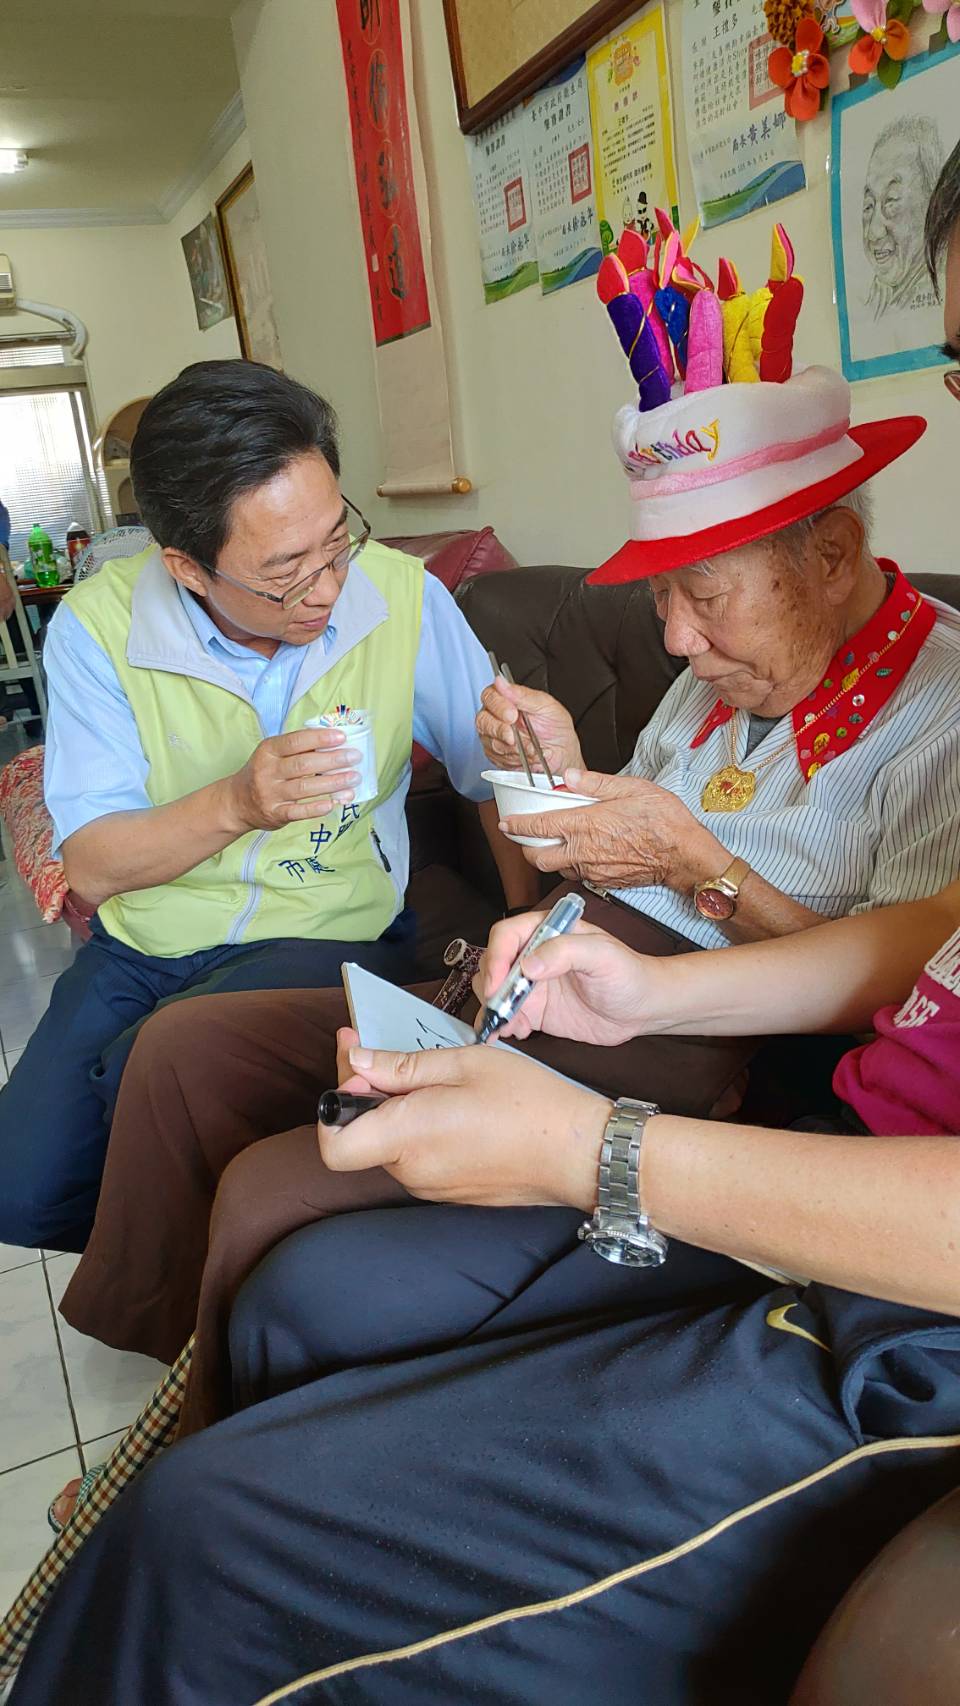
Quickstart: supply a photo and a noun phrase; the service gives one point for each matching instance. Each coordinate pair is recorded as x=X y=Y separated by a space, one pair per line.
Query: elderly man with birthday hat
x=806 y=764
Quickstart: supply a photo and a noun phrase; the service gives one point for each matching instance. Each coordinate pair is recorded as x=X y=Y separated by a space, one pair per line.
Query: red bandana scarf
x=858 y=681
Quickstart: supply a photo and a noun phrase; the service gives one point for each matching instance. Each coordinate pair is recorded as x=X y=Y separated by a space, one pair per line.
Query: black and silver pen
x=515 y=988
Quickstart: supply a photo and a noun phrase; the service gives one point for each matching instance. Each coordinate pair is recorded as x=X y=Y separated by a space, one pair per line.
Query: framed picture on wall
x=504 y=50
x=208 y=276
x=889 y=146
x=238 y=215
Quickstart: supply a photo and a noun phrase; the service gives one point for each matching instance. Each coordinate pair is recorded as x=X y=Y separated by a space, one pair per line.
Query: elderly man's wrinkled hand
x=587 y=986
x=639 y=834
x=498 y=725
x=474 y=1125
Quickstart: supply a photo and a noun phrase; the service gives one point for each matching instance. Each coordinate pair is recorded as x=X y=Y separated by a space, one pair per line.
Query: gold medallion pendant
x=729 y=790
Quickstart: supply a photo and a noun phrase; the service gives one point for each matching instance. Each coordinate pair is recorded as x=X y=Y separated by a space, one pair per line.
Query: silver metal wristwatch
x=619 y=1230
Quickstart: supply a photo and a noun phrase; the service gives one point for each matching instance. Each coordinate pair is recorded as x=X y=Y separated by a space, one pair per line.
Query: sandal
x=72 y=1495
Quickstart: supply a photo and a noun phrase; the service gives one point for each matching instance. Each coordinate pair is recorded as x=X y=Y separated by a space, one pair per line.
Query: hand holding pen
x=354 y=1096
x=586 y=986
x=500 y=1006
x=540 y=972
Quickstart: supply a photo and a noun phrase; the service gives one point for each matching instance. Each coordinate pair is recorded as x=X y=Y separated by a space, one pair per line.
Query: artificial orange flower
x=802 y=73
x=881 y=35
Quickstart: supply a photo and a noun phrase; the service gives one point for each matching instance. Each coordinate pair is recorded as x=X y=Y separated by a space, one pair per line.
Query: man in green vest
x=225 y=843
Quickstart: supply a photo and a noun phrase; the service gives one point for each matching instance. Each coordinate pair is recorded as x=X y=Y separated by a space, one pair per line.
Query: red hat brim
x=881 y=442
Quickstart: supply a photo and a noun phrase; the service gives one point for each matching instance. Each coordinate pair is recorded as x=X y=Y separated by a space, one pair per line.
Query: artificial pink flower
x=952 y=9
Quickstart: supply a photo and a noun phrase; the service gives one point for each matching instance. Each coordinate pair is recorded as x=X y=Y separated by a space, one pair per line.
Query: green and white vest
x=317 y=878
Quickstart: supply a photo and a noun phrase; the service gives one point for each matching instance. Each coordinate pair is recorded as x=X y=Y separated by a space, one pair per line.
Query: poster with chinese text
x=632 y=116
x=501 y=191
x=372 y=43
x=744 y=151
x=887 y=156
x=559 y=156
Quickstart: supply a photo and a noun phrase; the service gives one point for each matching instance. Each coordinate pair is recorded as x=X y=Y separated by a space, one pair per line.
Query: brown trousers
x=213 y=1155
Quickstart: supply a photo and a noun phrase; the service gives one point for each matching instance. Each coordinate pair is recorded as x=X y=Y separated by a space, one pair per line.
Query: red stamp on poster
x=761 y=88
x=372 y=44
x=580 y=180
x=516 y=205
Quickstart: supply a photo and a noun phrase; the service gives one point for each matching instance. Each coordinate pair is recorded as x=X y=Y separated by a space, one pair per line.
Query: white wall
x=130 y=287
x=534 y=381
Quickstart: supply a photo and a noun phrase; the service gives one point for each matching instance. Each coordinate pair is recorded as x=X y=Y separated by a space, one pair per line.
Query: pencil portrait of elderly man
x=903 y=168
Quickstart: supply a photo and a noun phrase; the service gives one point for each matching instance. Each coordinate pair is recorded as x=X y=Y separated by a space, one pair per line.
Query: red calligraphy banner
x=372 y=45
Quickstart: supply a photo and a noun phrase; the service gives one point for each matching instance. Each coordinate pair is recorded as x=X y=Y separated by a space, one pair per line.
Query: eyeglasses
x=951 y=380
x=296 y=594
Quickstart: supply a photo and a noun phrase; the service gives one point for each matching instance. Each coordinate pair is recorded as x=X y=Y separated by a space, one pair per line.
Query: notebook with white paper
x=386 y=1017
x=390 y=1018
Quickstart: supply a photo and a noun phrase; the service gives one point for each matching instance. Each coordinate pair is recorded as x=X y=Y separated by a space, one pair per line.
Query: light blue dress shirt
x=95 y=764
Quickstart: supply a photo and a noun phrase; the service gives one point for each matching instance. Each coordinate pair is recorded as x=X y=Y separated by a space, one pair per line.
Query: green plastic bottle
x=43 y=559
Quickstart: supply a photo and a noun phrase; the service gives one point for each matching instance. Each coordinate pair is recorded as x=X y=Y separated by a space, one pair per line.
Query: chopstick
x=492 y=656
x=531 y=733
x=504 y=670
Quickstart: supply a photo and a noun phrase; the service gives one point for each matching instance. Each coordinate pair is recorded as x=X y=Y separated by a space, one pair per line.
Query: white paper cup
x=516 y=798
x=357 y=727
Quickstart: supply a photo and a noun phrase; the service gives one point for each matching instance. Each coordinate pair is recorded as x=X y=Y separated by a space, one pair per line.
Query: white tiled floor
x=63 y=1397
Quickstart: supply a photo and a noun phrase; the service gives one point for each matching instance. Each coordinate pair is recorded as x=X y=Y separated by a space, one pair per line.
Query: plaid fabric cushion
x=30 y=831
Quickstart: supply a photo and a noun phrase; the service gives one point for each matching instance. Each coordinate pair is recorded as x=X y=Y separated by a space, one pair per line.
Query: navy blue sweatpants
x=55 y=1112
x=621 y=1487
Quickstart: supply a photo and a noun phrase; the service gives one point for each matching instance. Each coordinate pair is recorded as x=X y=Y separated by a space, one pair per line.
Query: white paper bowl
x=516 y=798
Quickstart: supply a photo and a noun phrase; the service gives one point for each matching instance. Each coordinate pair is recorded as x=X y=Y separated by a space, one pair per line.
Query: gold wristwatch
x=717 y=899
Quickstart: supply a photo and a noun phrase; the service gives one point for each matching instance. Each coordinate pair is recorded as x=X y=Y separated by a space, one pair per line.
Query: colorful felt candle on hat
x=633 y=328
x=785 y=291
x=759 y=328
x=633 y=253
x=704 y=342
x=680 y=282
x=738 y=362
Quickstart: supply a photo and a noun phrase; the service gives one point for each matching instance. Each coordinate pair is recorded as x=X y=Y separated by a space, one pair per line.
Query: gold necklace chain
x=776 y=753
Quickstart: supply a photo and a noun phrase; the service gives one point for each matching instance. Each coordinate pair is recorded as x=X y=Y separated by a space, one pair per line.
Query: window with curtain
x=45 y=454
